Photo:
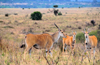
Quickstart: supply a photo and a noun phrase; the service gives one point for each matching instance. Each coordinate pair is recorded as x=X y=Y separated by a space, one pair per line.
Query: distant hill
x=29 y=1
x=48 y=3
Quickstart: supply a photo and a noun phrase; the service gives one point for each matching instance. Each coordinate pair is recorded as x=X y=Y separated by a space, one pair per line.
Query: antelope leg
x=83 y=55
x=93 y=55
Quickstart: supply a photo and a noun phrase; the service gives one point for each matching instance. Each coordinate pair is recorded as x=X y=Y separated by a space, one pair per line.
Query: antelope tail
x=23 y=45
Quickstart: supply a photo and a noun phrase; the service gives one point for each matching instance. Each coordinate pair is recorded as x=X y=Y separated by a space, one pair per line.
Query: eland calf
x=69 y=41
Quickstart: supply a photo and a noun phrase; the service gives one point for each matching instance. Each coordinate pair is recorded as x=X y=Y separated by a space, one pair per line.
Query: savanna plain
x=14 y=27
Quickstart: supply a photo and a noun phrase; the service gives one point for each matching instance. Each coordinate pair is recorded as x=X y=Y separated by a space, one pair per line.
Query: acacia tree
x=55 y=10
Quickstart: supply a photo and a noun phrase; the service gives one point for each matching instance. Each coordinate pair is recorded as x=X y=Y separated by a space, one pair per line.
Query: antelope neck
x=87 y=39
x=56 y=36
x=73 y=38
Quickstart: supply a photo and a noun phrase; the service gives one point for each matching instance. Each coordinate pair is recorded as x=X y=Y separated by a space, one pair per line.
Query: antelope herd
x=46 y=41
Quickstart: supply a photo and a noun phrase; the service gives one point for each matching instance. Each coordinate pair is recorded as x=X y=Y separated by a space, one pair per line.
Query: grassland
x=14 y=27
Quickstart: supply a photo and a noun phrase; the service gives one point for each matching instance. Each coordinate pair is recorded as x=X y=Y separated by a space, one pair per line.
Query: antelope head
x=61 y=33
x=86 y=34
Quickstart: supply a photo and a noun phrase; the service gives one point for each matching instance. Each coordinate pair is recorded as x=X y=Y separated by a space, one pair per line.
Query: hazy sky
x=86 y=0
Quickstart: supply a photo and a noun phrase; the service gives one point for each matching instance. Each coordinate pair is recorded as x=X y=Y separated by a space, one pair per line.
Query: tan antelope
x=40 y=41
x=69 y=41
x=90 y=43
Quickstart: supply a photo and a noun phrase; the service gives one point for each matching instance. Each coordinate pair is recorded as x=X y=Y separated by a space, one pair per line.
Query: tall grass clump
x=80 y=37
x=36 y=15
x=59 y=13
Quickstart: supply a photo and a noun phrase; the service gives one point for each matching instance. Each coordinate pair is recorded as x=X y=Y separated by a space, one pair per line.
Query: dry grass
x=14 y=27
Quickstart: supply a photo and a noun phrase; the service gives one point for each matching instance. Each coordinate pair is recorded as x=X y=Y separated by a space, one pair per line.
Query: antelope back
x=40 y=39
x=93 y=40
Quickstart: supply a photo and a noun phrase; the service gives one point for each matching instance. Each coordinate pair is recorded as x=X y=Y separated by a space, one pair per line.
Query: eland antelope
x=40 y=41
x=69 y=41
x=90 y=43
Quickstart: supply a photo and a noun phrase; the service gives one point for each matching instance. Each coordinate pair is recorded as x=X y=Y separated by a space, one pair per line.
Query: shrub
x=1 y=21
x=36 y=15
x=62 y=7
x=59 y=13
x=79 y=27
x=80 y=37
x=43 y=13
x=48 y=12
x=99 y=26
x=7 y=15
x=93 y=33
x=93 y=22
x=23 y=8
x=15 y=13
x=66 y=13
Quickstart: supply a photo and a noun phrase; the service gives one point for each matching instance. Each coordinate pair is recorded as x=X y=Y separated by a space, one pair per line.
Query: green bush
x=1 y=21
x=80 y=38
x=59 y=13
x=36 y=15
x=93 y=33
